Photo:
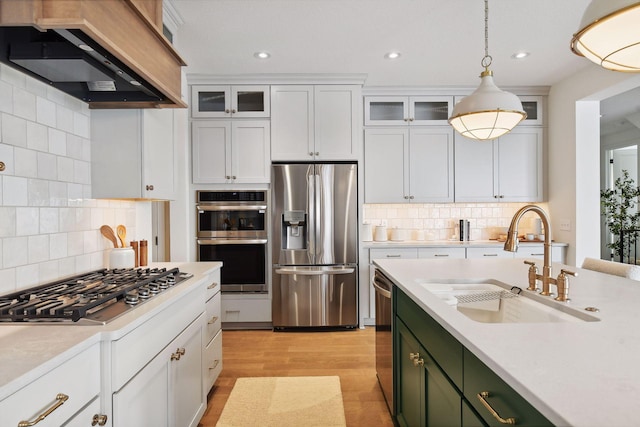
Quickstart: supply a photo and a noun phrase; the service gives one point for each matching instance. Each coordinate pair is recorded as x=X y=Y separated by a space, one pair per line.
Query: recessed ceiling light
x=392 y=55
x=520 y=55
x=262 y=55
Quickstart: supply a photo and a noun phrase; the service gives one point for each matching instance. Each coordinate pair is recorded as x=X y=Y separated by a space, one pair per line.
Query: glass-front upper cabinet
x=407 y=110
x=230 y=101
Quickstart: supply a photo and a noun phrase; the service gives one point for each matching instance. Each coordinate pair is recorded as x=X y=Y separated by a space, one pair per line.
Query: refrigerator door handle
x=311 y=199
x=314 y=272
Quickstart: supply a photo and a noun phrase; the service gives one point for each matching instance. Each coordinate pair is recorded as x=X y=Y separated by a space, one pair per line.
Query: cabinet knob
x=233 y=111
x=149 y=187
x=213 y=320
x=2 y=166
x=233 y=177
x=502 y=196
x=99 y=420
x=180 y=351
x=406 y=119
x=418 y=362
x=406 y=197
x=411 y=119
x=228 y=177
x=227 y=111
x=317 y=153
x=411 y=197
x=311 y=153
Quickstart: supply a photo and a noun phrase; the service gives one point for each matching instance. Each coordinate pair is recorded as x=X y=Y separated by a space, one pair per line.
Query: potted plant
x=619 y=207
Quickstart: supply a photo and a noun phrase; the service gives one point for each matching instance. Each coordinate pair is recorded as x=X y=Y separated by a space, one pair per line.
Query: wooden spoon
x=109 y=234
x=122 y=234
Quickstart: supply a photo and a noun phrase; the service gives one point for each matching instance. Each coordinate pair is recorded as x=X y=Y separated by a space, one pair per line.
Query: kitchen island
x=153 y=350
x=579 y=373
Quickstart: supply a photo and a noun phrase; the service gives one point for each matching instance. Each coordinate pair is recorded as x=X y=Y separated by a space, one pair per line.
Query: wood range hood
x=108 y=53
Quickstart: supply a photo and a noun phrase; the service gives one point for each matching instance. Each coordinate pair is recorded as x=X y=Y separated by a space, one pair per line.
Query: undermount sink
x=491 y=301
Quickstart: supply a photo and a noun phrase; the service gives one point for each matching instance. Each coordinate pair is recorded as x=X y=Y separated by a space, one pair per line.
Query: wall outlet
x=565 y=225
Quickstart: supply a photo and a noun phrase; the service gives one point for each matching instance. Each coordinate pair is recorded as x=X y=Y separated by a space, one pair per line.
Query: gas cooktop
x=88 y=299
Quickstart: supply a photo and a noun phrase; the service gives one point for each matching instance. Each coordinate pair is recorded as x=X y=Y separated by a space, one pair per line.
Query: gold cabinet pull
x=99 y=420
x=213 y=320
x=60 y=399
x=483 y=395
x=215 y=365
x=179 y=353
x=213 y=285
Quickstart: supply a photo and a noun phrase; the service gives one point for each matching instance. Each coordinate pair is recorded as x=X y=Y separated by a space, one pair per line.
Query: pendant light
x=609 y=35
x=488 y=112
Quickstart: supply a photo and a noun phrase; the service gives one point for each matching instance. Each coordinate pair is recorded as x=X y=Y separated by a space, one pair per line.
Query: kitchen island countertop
x=575 y=373
x=30 y=350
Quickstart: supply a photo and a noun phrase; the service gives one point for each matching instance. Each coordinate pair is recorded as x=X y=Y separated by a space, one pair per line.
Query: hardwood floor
x=348 y=354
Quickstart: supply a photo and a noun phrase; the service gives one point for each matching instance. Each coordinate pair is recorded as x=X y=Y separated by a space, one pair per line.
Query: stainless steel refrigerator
x=314 y=245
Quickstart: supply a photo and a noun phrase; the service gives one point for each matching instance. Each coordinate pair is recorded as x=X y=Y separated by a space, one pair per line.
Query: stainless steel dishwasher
x=384 y=336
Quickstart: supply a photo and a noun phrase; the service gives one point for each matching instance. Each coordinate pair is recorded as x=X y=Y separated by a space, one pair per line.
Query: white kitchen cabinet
x=231 y=151
x=318 y=122
x=508 y=169
x=242 y=309
x=168 y=390
x=133 y=154
x=441 y=253
x=225 y=101
x=407 y=110
x=66 y=389
x=409 y=165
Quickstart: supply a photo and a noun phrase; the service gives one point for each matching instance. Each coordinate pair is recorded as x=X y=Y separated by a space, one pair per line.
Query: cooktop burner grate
x=98 y=297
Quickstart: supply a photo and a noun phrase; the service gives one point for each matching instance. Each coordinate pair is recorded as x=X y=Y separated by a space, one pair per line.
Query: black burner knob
x=131 y=298
x=154 y=288
x=143 y=292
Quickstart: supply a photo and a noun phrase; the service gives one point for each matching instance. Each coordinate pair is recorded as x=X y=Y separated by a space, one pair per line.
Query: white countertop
x=575 y=373
x=448 y=243
x=31 y=350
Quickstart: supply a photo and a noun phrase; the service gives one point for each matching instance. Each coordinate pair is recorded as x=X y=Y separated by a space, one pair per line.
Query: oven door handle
x=232 y=242
x=314 y=272
x=203 y=208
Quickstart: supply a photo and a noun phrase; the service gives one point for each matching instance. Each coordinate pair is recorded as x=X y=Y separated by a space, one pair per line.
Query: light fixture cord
x=486 y=61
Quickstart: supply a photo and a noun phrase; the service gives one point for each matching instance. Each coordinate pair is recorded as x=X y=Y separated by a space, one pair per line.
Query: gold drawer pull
x=213 y=320
x=215 y=365
x=483 y=395
x=99 y=420
x=213 y=285
x=60 y=399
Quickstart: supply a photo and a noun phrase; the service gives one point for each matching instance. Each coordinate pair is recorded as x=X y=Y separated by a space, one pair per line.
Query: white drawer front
x=391 y=253
x=213 y=317
x=212 y=362
x=78 y=378
x=441 y=253
x=493 y=252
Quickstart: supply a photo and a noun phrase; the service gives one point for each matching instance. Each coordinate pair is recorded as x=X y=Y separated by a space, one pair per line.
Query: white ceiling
x=441 y=41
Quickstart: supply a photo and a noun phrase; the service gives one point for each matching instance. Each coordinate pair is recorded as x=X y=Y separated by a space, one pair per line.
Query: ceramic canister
x=122 y=258
x=381 y=234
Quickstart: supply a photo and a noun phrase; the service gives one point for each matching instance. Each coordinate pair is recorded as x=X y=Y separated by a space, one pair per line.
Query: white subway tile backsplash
x=14 y=130
x=58 y=194
x=45 y=111
x=64 y=118
x=65 y=169
x=27 y=275
x=27 y=221
x=76 y=193
x=75 y=243
x=81 y=172
x=6 y=97
x=38 y=248
x=57 y=142
x=58 y=245
x=26 y=163
x=14 y=191
x=47 y=166
x=75 y=147
x=6 y=155
x=14 y=251
x=7 y=278
x=81 y=125
x=7 y=221
x=49 y=220
x=24 y=104
x=49 y=270
x=38 y=190
x=37 y=136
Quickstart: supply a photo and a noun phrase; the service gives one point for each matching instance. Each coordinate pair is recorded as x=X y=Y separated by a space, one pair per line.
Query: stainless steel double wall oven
x=232 y=227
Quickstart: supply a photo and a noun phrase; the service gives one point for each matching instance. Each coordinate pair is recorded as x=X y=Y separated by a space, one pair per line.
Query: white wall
x=574 y=156
x=49 y=225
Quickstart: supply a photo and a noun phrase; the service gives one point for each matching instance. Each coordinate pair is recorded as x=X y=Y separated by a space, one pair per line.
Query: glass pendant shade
x=488 y=112
x=609 y=35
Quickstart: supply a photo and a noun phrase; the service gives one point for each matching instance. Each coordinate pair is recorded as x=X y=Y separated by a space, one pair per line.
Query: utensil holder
x=122 y=258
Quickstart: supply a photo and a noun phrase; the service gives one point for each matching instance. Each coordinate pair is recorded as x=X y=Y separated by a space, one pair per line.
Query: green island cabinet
x=437 y=381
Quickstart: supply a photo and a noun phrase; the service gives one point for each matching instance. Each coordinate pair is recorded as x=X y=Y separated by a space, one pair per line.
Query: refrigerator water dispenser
x=294 y=230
